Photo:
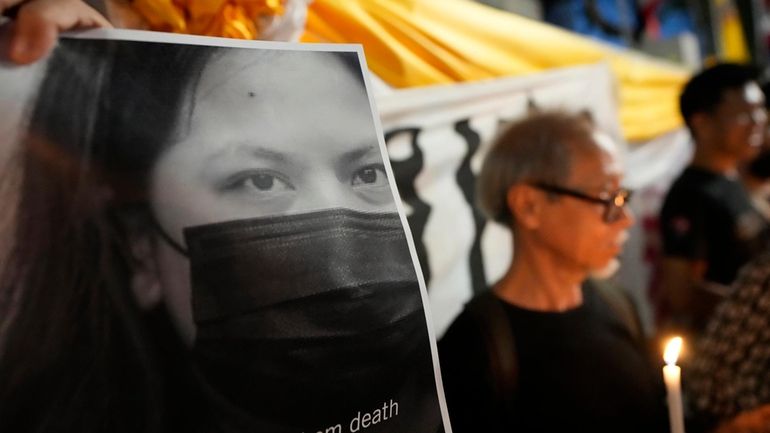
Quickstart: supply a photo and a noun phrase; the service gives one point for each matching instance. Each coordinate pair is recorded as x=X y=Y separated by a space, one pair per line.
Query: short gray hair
x=538 y=148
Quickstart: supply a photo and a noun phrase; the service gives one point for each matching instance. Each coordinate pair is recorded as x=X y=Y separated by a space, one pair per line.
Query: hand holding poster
x=207 y=239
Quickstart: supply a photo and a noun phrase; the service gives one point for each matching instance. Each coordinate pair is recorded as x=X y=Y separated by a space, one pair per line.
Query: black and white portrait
x=207 y=236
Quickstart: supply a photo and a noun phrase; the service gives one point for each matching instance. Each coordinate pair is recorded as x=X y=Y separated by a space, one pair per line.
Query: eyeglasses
x=613 y=202
x=756 y=116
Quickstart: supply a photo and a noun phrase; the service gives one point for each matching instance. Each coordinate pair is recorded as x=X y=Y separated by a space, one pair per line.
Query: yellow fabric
x=732 y=44
x=422 y=42
x=226 y=18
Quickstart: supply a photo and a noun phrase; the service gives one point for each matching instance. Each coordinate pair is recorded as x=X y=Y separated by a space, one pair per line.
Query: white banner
x=437 y=138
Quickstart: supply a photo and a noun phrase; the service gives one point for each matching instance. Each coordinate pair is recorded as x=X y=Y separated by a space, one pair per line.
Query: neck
x=714 y=162
x=537 y=282
x=752 y=183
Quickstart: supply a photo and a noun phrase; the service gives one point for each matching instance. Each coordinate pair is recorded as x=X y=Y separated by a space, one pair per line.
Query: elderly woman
x=542 y=351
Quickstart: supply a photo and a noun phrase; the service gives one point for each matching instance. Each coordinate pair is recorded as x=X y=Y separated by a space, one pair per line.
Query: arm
x=37 y=24
x=689 y=298
x=685 y=220
x=752 y=421
x=679 y=277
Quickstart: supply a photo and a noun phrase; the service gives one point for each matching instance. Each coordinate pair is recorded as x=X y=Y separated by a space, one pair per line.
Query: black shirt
x=580 y=370
x=708 y=216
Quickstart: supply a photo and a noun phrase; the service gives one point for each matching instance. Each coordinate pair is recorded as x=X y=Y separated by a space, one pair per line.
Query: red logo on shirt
x=680 y=225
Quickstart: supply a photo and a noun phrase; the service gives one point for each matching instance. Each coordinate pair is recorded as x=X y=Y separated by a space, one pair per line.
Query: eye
x=257 y=181
x=742 y=118
x=370 y=175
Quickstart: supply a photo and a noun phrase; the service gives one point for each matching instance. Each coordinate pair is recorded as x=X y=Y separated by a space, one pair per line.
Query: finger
x=8 y=4
x=39 y=23
x=31 y=39
x=66 y=14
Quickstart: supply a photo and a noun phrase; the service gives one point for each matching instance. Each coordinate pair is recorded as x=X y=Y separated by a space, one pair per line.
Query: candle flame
x=673 y=347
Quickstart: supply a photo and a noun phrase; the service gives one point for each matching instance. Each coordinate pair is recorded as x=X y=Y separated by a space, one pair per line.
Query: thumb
x=39 y=22
x=32 y=37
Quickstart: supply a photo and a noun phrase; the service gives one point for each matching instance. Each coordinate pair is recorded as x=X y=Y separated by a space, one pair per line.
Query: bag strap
x=488 y=312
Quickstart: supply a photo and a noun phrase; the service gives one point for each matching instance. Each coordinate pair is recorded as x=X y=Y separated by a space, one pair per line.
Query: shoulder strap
x=620 y=304
x=488 y=312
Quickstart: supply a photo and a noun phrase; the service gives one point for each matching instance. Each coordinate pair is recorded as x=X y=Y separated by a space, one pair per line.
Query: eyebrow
x=606 y=186
x=262 y=152
x=357 y=153
x=258 y=151
x=250 y=149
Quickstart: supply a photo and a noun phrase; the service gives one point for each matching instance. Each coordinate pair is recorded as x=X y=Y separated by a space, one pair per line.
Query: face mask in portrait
x=296 y=311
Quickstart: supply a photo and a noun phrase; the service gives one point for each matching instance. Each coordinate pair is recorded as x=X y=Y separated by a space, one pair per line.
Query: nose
x=627 y=218
x=326 y=193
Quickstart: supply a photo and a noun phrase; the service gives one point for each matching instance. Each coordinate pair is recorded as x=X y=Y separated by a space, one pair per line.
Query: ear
x=701 y=124
x=145 y=281
x=525 y=204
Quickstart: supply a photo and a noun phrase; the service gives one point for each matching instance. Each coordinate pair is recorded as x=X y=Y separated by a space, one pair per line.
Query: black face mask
x=305 y=319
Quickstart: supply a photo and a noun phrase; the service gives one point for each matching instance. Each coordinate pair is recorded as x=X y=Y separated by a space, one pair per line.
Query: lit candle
x=672 y=376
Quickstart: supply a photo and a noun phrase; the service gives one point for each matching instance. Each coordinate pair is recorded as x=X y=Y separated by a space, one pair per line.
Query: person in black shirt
x=556 y=182
x=708 y=225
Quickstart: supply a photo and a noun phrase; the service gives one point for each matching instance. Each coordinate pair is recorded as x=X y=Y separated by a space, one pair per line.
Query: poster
x=240 y=192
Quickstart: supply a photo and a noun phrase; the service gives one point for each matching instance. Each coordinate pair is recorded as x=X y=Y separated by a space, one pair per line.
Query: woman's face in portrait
x=287 y=133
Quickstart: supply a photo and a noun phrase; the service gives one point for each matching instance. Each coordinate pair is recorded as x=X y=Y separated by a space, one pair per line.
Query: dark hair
x=705 y=90
x=74 y=351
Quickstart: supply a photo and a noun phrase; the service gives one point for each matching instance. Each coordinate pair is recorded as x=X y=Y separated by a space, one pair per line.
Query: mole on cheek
x=252 y=94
